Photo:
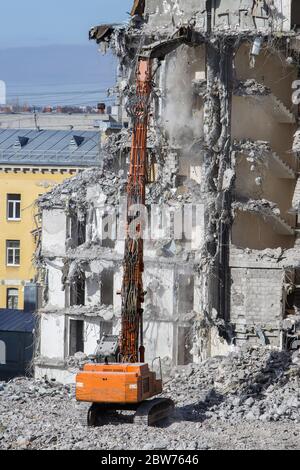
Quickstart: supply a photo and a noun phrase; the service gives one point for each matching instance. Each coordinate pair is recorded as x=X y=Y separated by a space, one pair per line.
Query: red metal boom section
x=131 y=339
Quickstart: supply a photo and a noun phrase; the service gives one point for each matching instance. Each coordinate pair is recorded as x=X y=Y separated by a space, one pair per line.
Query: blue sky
x=45 y=22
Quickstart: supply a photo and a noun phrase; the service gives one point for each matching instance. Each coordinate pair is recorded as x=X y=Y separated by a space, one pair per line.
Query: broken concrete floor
x=248 y=400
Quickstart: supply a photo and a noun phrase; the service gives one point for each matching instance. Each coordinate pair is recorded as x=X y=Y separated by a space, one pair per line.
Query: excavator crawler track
x=152 y=412
x=148 y=413
x=99 y=415
x=93 y=415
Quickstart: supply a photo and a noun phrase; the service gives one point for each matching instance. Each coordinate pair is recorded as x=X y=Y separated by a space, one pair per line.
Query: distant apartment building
x=31 y=163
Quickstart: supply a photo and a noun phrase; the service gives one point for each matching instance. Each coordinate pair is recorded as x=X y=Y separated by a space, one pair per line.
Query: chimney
x=101 y=108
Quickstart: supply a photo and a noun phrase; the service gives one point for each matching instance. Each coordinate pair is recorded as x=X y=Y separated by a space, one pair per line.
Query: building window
x=77 y=292
x=13 y=252
x=76 y=340
x=13 y=207
x=185 y=344
x=106 y=328
x=12 y=300
x=108 y=230
x=185 y=293
x=295 y=15
x=107 y=287
x=81 y=232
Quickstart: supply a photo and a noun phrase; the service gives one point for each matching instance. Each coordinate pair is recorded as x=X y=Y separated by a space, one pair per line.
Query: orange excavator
x=129 y=383
x=119 y=379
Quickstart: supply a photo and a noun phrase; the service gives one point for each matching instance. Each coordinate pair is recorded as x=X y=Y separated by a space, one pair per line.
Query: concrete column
x=217 y=135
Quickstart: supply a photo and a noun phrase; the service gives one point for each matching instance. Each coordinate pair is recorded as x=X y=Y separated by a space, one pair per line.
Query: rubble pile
x=77 y=361
x=255 y=385
x=114 y=146
x=251 y=87
x=72 y=192
x=261 y=206
x=200 y=87
x=105 y=311
x=246 y=400
x=190 y=192
x=255 y=150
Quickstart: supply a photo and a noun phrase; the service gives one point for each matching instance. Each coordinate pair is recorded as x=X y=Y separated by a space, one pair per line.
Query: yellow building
x=31 y=163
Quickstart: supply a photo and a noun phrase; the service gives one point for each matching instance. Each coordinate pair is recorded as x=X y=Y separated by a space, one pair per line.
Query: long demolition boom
x=131 y=339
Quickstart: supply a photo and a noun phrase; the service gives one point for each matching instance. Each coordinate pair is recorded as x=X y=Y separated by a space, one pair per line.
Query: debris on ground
x=247 y=400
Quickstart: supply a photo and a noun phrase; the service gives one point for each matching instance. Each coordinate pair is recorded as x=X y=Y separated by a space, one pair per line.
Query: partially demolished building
x=224 y=142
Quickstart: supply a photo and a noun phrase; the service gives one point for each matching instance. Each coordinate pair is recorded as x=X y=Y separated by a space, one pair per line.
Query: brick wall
x=256 y=300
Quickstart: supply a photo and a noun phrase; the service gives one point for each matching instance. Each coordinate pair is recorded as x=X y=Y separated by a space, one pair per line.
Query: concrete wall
x=243 y=15
x=259 y=119
x=161 y=12
x=180 y=116
x=60 y=374
x=159 y=301
x=238 y=14
x=260 y=182
x=159 y=340
x=252 y=119
x=198 y=230
x=55 y=292
x=250 y=230
x=91 y=335
x=161 y=315
x=256 y=300
x=92 y=289
x=268 y=64
x=52 y=339
x=54 y=226
x=256 y=295
x=226 y=14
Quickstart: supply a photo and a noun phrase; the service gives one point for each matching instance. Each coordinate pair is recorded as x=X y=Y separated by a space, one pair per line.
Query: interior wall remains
x=250 y=230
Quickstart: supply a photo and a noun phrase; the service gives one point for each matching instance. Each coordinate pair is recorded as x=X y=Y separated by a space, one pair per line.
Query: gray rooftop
x=50 y=147
x=16 y=320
